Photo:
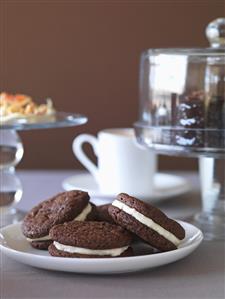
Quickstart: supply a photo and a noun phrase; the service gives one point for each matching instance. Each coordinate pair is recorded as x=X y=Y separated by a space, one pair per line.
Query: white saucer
x=166 y=186
x=14 y=245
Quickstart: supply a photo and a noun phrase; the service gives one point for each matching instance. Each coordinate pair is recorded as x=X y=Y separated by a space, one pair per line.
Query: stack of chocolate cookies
x=198 y=120
x=189 y=119
x=215 y=137
x=68 y=225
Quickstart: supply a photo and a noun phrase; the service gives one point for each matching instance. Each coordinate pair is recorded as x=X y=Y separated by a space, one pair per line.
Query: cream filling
x=79 y=250
x=45 y=238
x=81 y=217
x=147 y=221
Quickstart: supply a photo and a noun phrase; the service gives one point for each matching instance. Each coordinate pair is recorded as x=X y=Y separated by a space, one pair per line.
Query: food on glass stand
x=189 y=116
x=15 y=106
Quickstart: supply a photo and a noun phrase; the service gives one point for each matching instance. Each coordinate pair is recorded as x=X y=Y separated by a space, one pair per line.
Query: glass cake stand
x=11 y=153
x=182 y=113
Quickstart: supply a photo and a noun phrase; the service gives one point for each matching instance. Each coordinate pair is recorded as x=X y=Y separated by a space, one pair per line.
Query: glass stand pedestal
x=11 y=153
x=211 y=220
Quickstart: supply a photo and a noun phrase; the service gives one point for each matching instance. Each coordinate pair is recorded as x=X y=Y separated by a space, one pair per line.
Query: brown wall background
x=85 y=56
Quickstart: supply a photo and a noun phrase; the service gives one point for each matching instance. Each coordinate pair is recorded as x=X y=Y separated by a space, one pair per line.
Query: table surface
x=200 y=275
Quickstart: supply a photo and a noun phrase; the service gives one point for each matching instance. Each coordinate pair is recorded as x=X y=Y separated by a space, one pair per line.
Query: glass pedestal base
x=212 y=226
x=11 y=153
x=212 y=218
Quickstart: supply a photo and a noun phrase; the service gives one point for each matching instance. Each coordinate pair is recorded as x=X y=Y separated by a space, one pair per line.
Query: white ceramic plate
x=166 y=186
x=14 y=245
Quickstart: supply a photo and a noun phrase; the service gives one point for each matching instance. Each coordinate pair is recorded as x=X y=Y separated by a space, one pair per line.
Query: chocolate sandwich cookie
x=147 y=222
x=103 y=213
x=89 y=239
x=66 y=206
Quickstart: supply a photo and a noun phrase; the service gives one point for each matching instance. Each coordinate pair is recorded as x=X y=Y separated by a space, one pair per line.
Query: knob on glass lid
x=215 y=33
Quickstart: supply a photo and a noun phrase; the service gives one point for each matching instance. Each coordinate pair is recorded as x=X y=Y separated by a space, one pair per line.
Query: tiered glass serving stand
x=11 y=153
x=182 y=113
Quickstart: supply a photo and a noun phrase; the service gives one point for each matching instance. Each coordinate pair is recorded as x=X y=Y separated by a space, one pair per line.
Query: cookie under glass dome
x=182 y=112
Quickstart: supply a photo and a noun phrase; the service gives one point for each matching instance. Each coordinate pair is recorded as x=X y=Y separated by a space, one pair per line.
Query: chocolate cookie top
x=63 y=207
x=153 y=213
x=91 y=235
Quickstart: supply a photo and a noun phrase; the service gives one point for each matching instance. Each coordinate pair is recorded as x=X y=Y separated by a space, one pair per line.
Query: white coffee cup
x=123 y=166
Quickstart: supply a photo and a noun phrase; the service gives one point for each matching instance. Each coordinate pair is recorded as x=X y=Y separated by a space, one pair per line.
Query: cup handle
x=81 y=156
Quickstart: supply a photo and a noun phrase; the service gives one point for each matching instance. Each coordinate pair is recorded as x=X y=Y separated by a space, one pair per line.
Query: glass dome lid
x=182 y=96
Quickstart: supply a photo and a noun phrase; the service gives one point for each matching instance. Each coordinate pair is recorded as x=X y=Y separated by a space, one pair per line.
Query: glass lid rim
x=185 y=51
x=143 y=125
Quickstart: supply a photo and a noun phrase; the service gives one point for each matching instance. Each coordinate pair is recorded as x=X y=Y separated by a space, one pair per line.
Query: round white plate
x=14 y=245
x=166 y=186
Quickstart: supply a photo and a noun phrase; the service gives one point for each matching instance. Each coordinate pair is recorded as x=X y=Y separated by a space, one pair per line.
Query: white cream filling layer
x=79 y=250
x=81 y=217
x=147 y=221
x=45 y=238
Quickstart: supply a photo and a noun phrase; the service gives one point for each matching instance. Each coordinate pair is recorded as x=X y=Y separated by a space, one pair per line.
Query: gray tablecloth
x=200 y=275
